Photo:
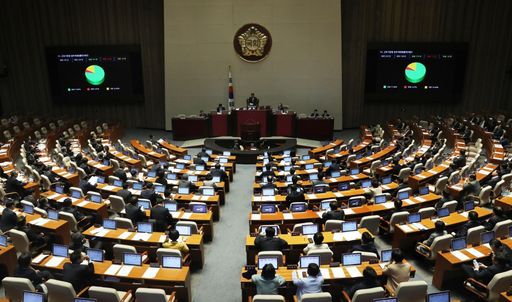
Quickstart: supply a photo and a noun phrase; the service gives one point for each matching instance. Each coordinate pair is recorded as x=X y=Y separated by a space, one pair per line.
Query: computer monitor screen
x=106 y=162
x=171 y=262
x=380 y=199
x=187 y=157
x=95 y=255
x=84 y=300
x=403 y=195
x=486 y=237
x=3 y=240
x=351 y=259
x=385 y=300
x=199 y=208
x=354 y=171
x=60 y=250
x=327 y=164
x=208 y=191
x=469 y=205
x=359 y=156
x=289 y=178
x=53 y=215
x=184 y=190
x=216 y=179
x=298 y=207
x=180 y=166
x=266 y=161
x=287 y=159
x=184 y=230
x=309 y=229
x=28 y=209
x=355 y=202
x=171 y=206
x=366 y=183
x=349 y=226
x=226 y=153
x=287 y=169
x=418 y=171
x=443 y=212
x=76 y=194
x=159 y=189
x=306 y=260
x=386 y=180
x=268 y=208
x=101 y=179
x=152 y=174
x=109 y=224
x=268 y=192
x=33 y=297
x=287 y=152
x=306 y=157
x=132 y=259
x=385 y=255
x=263 y=260
x=144 y=204
x=59 y=189
x=118 y=183
x=384 y=163
x=192 y=178
x=223 y=160
x=171 y=176
x=325 y=205
x=414 y=217
x=309 y=166
x=439 y=297
x=458 y=244
x=205 y=158
x=199 y=168
x=424 y=191
x=343 y=186
x=313 y=176
x=335 y=174
x=144 y=227
x=95 y=198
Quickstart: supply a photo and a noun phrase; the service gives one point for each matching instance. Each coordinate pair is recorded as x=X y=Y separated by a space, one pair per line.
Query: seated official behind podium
x=269 y=242
x=252 y=101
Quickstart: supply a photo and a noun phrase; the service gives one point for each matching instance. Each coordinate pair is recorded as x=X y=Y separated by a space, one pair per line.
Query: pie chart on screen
x=94 y=74
x=415 y=72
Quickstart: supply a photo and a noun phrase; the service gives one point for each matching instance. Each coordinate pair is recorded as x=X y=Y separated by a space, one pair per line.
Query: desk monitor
x=335 y=174
x=180 y=166
x=59 y=189
x=171 y=262
x=384 y=163
x=187 y=157
x=310 y=229
x=366 y=183
x=28 y=209
x=226 y=153
x=325 y=206
x=287 y=159
x=321 y=188
x=380 y=199
x=265 y=161
x=298 y=207
x=306 y=260
x=193 y=178
x=96 y=255
x=132 y=259
x=152 y=174
x=268 y=192
x=223 y=160
x=106 y=162
x=418 y=170
x=289 y=178
x=309 y=166
x=443 y=296
x=171 y=206
x=385 y=255
x=486 y=237
x=199 y=168
x=264 y=260
x=386 y=180
x=423 y=191
x=349 y=226
x=53 y=215
x=76 y=194
x=403 y=195
x=144 y=204
x=159 y=189
x=205 y=158
x=95 y=198
x=101 y=179
x=199 y=208
x=359 y=155
x=3 y=241
x=458 y=244
x=33 y=297
x=306 y=157
x=216 y=179
x=287 y=152
x=267 y=208
x=354 y=171
x=60 y=250
x=287 y=168
x=109 y=224
x=72 y=170
x=144 y=227
x=385 y=300
x=84 y=300
x=118 y=183
x=355 y=202
x=469 y=205
x=351 y=259
x=208 y=191
x=313 y=176
x=327 y=164
x=414 y=218
x=443 y=212
x=184 y=230
x=136 y=156
x=184 y=190
x=343 y=186
x=171 y=176
x=223 y=168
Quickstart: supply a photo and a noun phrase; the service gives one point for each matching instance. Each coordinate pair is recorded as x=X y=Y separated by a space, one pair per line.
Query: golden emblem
x=252 y=42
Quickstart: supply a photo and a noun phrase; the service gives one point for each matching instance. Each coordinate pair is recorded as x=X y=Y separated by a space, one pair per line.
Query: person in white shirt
x=310 y=283
x=317 y=244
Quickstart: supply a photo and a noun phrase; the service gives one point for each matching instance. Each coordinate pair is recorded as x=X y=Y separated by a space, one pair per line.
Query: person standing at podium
x=252 y=101
x=220 y=108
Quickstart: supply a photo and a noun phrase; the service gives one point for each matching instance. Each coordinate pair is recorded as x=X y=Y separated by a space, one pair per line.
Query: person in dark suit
x=398 y=207
x=217 y=171
x=267 y=171
x=77 y=274
x=472 y=222
x=472 y=187
x=459 y=161
x=149 y=193
x=334 y=213
x=335 y=166
x=295 y=194
x=119 y=173
x=498 y=216
x=68 y=207
x=86 y=186
x=369 y=281
x=396 y=166
x=185 y=183
x=269 y=242
x=14 y=185
x=163 y=219
x=124 y=193
x=9 y=218
x=133 y=212
x=160 y=177
x=484 y=274
x=367 y=244
x=269 y=184
x=2 y=173
x=38 y=239
x=24 y=270
x=253 y=101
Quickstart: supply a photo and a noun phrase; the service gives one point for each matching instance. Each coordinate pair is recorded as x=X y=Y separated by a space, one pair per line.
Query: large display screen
x=95 y=74
x=415 y=71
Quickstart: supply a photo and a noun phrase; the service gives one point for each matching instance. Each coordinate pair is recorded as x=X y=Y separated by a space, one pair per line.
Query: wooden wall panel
x=27 y=27
x=485 y=25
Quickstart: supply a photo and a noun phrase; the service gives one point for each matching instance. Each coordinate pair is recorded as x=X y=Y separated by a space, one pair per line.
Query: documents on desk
x=406 y=228
x=54 y=261
x=419 y=226
x=162 y=238
x=388 y=205
x=407 y=201
x=113 y=269
x=83 y=203
x=338 y=194
x=186 y=216
x=39 y=258
x=346 y=236
x=142 y=236
x=39 y=221
x=353 y=271
x=124 y=235
x=348 y=211
x=287 y=216
x=255 y=216
x=124 y=271
x=475 y=252
x=311 y=196
x=151 y=272
x=420 y=199
x=459 y=255
x=337 y=272
x=320 y=213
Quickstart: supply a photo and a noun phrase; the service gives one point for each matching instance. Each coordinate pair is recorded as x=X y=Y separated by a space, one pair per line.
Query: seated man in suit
x=67 y=206
x=459 y=161
x=149 y=193
x=472 y=186
x=267 y=171
x=172 y=243
x=25 y=270
x=217 y=171
x=471 y=223
x=133 y=212
x=269 y=242
x=202 y=153
x=369 y=281
x=367 y=245
x=439 y=230
x=9 y=218
x=483 y=273
x=121 y=174
x=185 y=183
x=77 y=274
x=124 y=193
x=14 y=185
x=252 y=101
x=38 y=239
x=163 y=219
x=334 y=213
x=269 y=184
x=498 y=216
x=295 y=194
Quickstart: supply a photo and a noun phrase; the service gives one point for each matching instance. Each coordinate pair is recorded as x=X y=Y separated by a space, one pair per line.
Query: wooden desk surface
x=8 y=257
x=83 y=203
x=365 y=161
x=319 y=150
x=142 y=149
x=173 y=148
x=303 y=240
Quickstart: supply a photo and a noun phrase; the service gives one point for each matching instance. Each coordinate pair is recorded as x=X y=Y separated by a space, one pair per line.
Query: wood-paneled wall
x=27 y=27
x=485 y=24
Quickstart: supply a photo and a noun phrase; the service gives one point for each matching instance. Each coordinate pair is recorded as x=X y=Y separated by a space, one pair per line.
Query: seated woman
x=268 y=282
x=397 y=270
x=173 y=243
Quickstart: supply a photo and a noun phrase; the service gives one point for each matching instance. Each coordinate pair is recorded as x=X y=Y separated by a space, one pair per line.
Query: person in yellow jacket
x=172 y=243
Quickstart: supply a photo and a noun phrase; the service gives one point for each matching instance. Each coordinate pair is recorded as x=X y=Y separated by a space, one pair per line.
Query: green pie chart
x=415 y=72
x=94 y=74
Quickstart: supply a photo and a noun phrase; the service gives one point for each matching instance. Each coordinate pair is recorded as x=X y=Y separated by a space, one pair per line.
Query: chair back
x=404 y=174
x=316 y=297
x=498 y=188
x=124 y=223
x=371 y=223
x=473 y=236
x=411 y=291
x=297 y=228
x=70 y=219
x=440 y=243
x=325 y=255
x=396 y=218
x=268 y=298
x=59 y=291
x=440 y=184
x=193 y=226
x=333 y=225
x=20 y=241
x=427 y=212
x=499 y=283
x=116 y=203
x=485 y=195
x=150 y=295
x=104 y=294
x=120 y=249
x=14 y=288
x=451 y=205
x=501 y=228
x=368 y=294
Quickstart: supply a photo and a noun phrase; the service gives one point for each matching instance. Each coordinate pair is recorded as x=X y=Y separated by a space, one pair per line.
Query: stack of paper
x=141 y=236
x=419 y=226
x=338 y=194
x=311 y=196
x=124 y=235
x=338 y=237
x=162 y=238
x=150 y=272
x=325 y=273
x=389 y=205
x=287 y=216
x=204 y=198
x=83 y=203
x=113 y=269
x=475 y=253
x=255 y=216
x=39 y=258
x=337 y=272
x=353 y=271
x=124 y=271
x=459 y=255
x=408 y=201
x=348 y=211
x=186 y=216
x=54 y=261
x=320 y=213
x=39 y=221
x=350 y=236
x=406 y=228
x=420 y=199
x=102 y=233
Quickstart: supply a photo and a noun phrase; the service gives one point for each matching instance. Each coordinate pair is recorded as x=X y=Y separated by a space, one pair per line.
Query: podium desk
x=219 y=123
x=190 y=128
x=260 y=116
x=284 y=124
x=315 y=128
